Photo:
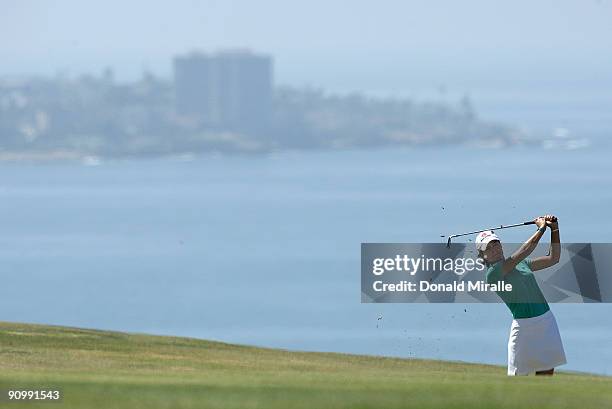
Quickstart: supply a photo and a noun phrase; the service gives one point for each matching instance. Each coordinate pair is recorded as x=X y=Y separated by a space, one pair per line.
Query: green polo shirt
x=526 y=299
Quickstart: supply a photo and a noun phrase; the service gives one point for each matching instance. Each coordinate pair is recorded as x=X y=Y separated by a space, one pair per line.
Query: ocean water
x=264 y=250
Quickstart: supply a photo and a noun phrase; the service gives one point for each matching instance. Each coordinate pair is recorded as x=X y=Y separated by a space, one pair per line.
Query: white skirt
x=534 y=345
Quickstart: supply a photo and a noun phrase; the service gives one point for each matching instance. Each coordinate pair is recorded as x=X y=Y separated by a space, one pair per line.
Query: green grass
x=101 y=369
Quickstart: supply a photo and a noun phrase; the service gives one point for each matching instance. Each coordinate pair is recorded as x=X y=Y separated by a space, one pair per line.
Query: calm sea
x=265 y=250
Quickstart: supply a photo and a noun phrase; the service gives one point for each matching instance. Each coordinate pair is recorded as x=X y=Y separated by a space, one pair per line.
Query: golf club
x=452 y=236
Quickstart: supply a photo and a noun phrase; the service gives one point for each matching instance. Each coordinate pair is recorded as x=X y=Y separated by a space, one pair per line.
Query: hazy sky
x=344 y=43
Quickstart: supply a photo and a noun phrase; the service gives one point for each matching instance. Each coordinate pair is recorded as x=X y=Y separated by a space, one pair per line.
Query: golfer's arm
x=553 y=255
x=525 y=250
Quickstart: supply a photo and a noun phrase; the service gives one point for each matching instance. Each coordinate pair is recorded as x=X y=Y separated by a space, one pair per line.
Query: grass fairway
x=100 y=369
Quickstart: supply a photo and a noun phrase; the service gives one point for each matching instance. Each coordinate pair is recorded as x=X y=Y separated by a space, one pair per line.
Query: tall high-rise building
x=229 y=89
x=193 y=83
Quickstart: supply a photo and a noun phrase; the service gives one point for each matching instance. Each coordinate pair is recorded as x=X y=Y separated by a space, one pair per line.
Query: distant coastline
x=94 y=159
x=225 y=102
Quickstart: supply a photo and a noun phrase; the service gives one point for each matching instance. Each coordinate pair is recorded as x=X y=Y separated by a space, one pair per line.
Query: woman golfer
x=535 y=344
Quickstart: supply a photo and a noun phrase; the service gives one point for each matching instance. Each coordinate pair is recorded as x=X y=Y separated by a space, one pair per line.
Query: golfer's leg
x=549 y=372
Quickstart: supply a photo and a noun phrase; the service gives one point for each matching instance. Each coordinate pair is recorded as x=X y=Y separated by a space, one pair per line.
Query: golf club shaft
x=493 y=228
